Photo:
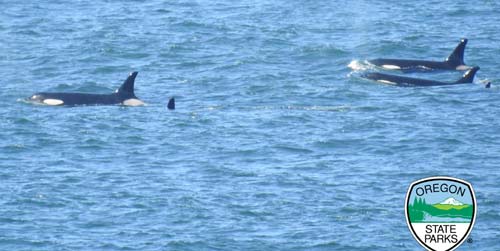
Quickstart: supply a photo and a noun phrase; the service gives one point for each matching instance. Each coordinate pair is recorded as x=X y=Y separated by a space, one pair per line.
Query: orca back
x=124 y=95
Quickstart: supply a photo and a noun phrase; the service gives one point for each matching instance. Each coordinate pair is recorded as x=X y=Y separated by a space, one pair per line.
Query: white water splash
x=358 y=65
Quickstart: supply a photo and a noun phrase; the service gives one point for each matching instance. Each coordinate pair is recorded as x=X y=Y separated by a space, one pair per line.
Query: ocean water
x=275 y=143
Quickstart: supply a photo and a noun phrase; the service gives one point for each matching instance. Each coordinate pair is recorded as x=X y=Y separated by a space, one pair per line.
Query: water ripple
x=276 y=143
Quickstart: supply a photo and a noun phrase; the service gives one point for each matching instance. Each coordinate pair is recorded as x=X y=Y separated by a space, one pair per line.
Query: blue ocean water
x=274 y=145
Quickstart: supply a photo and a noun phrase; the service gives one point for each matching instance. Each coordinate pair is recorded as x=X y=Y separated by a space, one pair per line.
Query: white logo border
x=474 y=202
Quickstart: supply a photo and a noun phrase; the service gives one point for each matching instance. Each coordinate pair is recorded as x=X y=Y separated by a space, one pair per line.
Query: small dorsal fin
x=456 y=58
x=171 y=104
x=488 y=85
x=469 y=75
x=128 y=85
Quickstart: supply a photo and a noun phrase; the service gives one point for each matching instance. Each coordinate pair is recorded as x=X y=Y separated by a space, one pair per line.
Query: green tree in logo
x=420 y=209
x=417 y=210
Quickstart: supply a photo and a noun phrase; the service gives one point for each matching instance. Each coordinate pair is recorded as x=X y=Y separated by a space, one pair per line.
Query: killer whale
x=401 y=81
x=455 y=61
x=171 y=104
x=124 y=95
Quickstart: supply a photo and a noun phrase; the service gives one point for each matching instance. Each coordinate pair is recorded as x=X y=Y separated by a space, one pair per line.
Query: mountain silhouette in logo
x=451 y=201
x=420 y=211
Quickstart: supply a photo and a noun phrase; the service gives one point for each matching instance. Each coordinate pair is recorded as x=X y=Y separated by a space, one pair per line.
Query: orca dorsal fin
x=468 y=76
x=128 y=85
x=171 y=104
x=456 y=58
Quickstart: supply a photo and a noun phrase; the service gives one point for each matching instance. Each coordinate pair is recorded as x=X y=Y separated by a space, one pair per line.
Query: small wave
x=484 y=82
x=358 y=65
x=324 y=49
x=24 y=100
x=340 y=108
x=293 y=149
x=163 y=11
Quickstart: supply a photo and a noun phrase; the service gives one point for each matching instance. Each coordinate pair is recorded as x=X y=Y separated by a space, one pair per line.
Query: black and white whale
x=453 y=62
x=401 y=81
x=123 y=96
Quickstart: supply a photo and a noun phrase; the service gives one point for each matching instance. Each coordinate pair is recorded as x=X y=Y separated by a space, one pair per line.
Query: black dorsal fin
x=171 y=104
x=456 y=58
x=128 y=85
x=468 y=76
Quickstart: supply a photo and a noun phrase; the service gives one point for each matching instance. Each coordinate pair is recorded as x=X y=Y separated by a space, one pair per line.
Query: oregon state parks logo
x=440 y=212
